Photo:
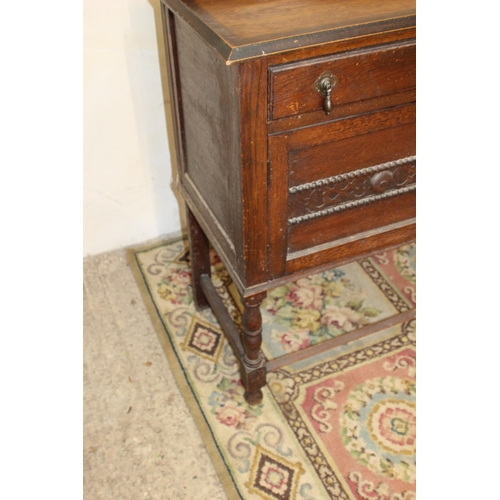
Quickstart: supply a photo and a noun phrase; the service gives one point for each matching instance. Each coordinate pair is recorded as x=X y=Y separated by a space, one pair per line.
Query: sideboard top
x=244 y=29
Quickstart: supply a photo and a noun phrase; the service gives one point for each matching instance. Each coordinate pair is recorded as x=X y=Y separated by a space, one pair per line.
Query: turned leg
x=199 y=251
x=253 y=365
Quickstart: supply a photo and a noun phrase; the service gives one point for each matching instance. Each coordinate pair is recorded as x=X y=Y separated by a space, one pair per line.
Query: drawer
x=360 y=75
x=341 y=182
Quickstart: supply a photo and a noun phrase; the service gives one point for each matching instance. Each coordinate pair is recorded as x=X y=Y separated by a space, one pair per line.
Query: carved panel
x=353 y=189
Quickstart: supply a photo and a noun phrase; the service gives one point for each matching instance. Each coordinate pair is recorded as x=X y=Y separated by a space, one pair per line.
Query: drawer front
x=341 y=182
x=360 y=75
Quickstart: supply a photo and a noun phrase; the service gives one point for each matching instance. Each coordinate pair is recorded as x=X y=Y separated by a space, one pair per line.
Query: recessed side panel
x=210 y=136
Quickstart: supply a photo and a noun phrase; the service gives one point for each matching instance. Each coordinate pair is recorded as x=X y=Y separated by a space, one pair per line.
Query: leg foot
x=199 y=251
x=254 y=398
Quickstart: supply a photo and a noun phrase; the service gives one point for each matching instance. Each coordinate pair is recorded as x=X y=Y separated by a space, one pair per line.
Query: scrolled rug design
x=341 y=425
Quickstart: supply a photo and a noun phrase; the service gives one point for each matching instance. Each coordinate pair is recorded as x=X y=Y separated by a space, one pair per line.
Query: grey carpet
x=140 y=441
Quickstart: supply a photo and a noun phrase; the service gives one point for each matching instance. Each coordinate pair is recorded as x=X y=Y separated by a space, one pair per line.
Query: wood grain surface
x=242 y=29
x=361 y=75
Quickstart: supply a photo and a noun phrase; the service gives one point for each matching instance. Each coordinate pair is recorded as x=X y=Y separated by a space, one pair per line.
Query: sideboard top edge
x=231 y=52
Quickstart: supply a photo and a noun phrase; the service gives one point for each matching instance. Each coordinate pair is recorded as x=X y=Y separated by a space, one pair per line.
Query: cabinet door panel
x=353 y=183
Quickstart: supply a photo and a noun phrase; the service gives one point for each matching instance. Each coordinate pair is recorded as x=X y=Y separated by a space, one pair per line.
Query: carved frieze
x=353 y=189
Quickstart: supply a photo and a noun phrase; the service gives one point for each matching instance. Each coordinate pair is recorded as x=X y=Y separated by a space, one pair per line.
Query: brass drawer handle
x=324 y=85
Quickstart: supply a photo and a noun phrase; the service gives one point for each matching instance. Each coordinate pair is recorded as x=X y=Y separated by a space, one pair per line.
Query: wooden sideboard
x=295 y=137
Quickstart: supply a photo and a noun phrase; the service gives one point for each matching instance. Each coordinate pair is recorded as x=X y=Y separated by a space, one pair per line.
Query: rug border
x=183 y=385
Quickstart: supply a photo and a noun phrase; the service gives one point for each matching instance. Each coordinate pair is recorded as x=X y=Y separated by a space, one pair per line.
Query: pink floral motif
x=292 y=340
x=175 y=286
x=180 y=277
x=231 y=414
x=343 y=317
x=303 y=294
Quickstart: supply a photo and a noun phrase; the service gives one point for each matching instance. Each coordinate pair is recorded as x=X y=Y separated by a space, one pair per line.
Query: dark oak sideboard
x=295 y=138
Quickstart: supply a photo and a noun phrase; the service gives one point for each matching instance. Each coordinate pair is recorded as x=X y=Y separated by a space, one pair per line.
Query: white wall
x=128 y=181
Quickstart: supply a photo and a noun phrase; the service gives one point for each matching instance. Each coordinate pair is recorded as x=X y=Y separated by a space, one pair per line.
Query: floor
x=140 y=441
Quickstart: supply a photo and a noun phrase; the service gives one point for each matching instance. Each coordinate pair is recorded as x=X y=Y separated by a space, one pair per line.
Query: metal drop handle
x=324 y=85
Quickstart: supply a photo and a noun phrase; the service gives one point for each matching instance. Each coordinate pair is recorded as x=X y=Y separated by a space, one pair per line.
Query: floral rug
x=340 y=425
